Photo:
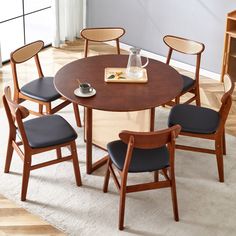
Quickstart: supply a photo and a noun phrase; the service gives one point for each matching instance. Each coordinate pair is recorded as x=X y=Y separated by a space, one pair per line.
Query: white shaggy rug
x=206 y=207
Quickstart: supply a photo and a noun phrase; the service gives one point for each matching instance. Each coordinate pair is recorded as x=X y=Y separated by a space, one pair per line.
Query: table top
x=164 y=84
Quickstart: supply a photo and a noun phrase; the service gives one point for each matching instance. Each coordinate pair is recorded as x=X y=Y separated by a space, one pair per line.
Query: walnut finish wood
x=54 y=59
x=164 y=83
x=219 y=136
x=16 y=114
x=22 y=55
x=102 y=35
x=145 y=140
x=190 y=47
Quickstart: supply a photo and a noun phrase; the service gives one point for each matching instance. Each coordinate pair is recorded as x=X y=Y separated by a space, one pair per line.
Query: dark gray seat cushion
x=143 y=160
x=188 y=82
x=194 y=119
x=49 y=130
x=41 y=89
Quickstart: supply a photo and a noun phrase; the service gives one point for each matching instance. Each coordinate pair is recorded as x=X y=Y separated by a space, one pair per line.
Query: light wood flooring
x=15 y=220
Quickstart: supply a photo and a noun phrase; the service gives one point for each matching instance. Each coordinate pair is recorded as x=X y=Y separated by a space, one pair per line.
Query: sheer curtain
x=69 y=19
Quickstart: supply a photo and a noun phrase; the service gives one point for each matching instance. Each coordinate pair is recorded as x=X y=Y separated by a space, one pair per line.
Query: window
x=24 y=21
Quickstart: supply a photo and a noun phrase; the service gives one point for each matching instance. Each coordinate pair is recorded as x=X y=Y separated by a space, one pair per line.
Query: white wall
x=147 y=21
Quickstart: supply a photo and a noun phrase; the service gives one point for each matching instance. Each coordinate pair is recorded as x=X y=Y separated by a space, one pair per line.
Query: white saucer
x=78 y=93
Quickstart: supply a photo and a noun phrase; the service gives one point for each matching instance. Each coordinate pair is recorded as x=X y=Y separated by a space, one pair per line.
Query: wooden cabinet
x=229 y=55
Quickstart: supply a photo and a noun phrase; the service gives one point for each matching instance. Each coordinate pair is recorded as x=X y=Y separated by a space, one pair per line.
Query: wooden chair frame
x=219 y=135
x=190 y=47
x=144 y=140
x=104 y=34
x=15 y=114
x=22 y=55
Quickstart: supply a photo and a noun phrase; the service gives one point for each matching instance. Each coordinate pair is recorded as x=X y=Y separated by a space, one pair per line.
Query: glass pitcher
x=134 y=67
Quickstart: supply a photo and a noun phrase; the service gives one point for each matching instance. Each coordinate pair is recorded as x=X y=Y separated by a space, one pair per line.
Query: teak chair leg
x=107 y=176
x=174 y=199
x=77 y=115
x=25 y=178
x=48 y=109
x=58 y=150
x=40 y=109
x=219 y=159
x=177 y=100
x=122 y=205
x=76 y=164
x=224 y=143
x=9 y=155
x=198 y=101
x=156 y=176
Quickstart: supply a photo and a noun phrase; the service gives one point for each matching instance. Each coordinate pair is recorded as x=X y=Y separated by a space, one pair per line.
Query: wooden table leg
x=152 y=119
x=88 y=133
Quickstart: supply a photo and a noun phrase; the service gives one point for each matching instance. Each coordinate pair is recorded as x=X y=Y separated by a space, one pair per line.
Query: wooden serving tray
x=123 y=78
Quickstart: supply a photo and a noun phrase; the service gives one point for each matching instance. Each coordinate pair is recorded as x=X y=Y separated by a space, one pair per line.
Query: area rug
x=206 y=207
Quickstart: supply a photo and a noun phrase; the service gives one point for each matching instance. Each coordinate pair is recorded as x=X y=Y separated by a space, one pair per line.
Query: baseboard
x=174 y=63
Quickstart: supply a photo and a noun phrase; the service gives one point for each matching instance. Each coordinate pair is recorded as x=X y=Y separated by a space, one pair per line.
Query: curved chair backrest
x=26 y=52
x=11 y=106
x=148 y=140
x=226 y=99
x=23 y=54
x=183 y=45
x=14 y=112
x=102 y=35
x=229 y=88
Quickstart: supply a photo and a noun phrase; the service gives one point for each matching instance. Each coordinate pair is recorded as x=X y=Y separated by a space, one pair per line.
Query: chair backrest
x=23 y=54
x=104 y=34
x=186 y=46
x=183 y=45
x=26 y=52
x=15 y=112
x=149 y=140
x=226 y=100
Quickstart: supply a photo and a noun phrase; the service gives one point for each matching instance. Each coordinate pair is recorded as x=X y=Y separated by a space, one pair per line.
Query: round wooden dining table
x=164 y=84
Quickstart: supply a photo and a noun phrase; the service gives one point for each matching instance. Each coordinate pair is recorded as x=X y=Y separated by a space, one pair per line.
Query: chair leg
x=41 y=109
x=25 y=178
x=177 y=100
x=58 y=150
x=224 y=143
x=76 y=164
x=174 y=198
x=48 y=109
x=77 y=115
x=9 y=155
x=122 y=206
x=219 y=159
x=198 y=100
x=156 y=175
x=107 y=176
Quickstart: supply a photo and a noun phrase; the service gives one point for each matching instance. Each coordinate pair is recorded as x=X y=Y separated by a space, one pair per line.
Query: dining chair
x=143 y=152
x=102 y=35
x=33 y=136
x=205 y=123
x=189 y=47
x=40 y=90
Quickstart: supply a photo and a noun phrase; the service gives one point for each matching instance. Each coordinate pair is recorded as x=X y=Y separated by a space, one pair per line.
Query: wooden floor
x=17 y=221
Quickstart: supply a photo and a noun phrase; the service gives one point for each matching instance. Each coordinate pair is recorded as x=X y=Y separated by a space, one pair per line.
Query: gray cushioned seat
x=188 y=82
x=194 y=119
x=143 y=160
x=49 y=130
x=41 y=89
